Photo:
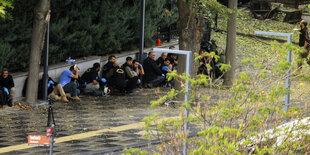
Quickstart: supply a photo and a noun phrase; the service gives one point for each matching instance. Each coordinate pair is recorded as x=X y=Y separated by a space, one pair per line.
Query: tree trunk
x=231 y=43
x=40 y=21
x=190 y=29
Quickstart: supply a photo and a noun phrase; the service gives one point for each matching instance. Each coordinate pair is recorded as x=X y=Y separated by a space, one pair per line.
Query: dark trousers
x=157 y=81
x=131 y=83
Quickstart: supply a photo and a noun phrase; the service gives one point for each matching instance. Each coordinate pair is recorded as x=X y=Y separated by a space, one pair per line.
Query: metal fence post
x=288 y=58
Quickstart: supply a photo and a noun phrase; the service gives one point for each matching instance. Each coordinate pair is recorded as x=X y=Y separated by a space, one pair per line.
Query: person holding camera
x=70 y=86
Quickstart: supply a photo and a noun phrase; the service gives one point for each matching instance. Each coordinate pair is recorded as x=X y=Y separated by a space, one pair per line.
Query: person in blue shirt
x=70 y=86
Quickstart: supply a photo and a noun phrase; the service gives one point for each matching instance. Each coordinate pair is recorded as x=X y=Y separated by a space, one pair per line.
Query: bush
x=81 y=28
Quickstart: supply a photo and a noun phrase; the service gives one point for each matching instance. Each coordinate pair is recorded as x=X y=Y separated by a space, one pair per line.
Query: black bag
x=118 y=79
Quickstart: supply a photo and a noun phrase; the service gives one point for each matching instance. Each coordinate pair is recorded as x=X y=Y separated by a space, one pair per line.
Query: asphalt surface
x=93 y=125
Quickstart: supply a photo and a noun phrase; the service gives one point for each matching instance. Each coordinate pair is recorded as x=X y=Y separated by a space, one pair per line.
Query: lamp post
x=142 y=30
x=45 y=70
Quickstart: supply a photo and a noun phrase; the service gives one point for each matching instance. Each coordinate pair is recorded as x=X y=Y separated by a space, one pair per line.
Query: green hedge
x=82 y=28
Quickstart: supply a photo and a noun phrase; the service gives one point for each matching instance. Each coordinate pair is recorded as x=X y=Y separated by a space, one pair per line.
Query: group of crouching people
x=115 y=78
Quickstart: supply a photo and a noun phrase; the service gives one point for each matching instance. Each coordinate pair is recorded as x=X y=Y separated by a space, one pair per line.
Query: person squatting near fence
x=161 y=59
x=173 y=58
x=70 y=86
x=91 y=77
x=7 y=83
x=153 y=77
x=304 y=41
x=167 y=68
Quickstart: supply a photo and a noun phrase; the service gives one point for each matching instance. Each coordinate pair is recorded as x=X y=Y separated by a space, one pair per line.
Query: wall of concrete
x=85 y=63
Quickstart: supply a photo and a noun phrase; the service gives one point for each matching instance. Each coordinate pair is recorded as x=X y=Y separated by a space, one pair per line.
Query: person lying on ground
x=70 y=86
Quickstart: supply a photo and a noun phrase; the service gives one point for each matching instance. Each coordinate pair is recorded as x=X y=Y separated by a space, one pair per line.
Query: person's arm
x=94 y=77
x=11 y=84
x=76 y=75
x=142 y=70
x=306 y=40
x=129 y=72
x=156 y=69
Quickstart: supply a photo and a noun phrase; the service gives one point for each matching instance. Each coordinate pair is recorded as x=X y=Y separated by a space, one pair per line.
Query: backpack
x=119 y=78
x=4 y=97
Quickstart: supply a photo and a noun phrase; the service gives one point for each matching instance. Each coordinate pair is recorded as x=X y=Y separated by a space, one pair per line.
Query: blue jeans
x=72 y=88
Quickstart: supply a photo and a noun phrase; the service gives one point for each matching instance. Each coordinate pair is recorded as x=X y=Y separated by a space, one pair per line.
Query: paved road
x=96 y=123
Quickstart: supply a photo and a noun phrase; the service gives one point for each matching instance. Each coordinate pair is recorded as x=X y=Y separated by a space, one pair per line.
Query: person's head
x=152 y=55
x=112 y=58
x=129 y=61
x=303 y=23
x=135 y=63
x=116 y=63
x=5 y=72
x=72 y=69
x=202 y=52
x=164 y=55
x=167 y=62
x=96 y=66
x=174 y=56
x=171 y=48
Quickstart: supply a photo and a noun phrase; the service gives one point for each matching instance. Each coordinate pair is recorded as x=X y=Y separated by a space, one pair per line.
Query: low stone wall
x=56 y=70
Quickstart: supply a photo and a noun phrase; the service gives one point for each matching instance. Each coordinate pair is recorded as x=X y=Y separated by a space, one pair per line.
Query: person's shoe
x=149 y=85
x=68 y=95
x=76 y=98
x=64 y=99
x=52 y=96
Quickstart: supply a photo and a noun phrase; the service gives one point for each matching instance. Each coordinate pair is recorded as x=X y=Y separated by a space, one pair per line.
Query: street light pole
x=45 y=71
x=142 y=30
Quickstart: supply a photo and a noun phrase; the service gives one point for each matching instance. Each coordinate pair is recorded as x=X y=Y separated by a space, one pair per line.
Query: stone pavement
x=95 y=124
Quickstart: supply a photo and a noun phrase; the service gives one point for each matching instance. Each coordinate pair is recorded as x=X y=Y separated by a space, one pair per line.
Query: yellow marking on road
x=76 y=136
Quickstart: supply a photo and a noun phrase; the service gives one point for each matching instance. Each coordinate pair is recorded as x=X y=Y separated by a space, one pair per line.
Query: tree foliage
x=81 y=28
x=4 y=5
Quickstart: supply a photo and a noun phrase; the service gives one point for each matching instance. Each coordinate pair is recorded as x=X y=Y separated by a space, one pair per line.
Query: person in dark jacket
x=108 y=68
x=161 y=59
x=92 y=80
x=153 y=76
x=6 y=81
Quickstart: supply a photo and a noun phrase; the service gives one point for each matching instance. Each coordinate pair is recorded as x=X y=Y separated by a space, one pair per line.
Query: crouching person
x=6 y=81
x=131 y=75
x=70 y=86
x=92 y=79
